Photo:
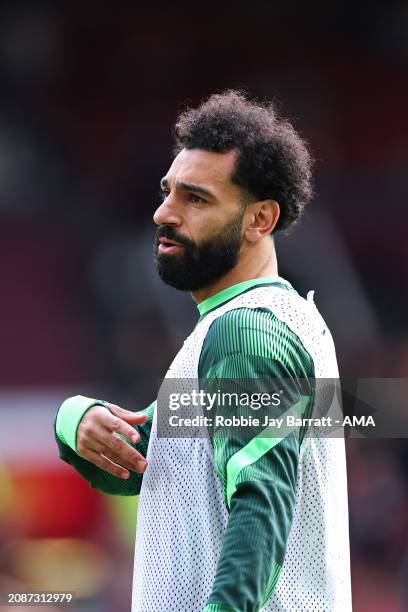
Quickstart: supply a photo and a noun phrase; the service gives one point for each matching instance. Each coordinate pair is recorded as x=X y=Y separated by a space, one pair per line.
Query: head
x=240 y=174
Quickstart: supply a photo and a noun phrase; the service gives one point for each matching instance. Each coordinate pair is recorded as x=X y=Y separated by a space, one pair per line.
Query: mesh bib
x=182 y=515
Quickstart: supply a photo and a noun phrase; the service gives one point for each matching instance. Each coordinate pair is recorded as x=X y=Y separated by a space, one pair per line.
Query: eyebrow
x=164 y=184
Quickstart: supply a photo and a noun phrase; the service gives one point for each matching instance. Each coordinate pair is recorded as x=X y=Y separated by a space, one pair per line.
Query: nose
x=167 y=214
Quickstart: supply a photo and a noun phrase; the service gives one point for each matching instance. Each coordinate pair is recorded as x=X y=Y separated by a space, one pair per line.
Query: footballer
x=229 y=523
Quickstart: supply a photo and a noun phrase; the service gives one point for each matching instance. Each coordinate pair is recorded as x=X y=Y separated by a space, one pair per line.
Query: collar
x=216 y=300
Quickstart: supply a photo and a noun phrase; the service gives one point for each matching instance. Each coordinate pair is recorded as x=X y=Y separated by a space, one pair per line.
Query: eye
x=195 y=199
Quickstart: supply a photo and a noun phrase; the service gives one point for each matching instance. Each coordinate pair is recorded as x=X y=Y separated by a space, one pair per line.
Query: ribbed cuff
x=214 y=607
x=70 y=415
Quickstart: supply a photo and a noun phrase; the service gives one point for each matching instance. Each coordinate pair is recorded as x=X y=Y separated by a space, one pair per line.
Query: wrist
x=70 y=415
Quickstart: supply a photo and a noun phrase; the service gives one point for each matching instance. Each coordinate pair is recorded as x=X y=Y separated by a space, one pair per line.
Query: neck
x=258 y=261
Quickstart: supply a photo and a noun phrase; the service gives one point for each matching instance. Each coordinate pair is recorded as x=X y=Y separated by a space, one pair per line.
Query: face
x=199 y=232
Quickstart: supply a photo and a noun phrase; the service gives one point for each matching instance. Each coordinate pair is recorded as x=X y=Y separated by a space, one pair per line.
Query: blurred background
x=90 y=92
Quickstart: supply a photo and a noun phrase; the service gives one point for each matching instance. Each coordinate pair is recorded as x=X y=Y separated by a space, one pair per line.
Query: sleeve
x=66 y=424
x=246 y=349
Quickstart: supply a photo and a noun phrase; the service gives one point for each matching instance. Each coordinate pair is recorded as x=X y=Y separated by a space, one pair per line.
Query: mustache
x=164 y=231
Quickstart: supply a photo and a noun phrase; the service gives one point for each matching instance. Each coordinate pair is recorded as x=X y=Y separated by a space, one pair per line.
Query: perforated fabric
x=182 y=514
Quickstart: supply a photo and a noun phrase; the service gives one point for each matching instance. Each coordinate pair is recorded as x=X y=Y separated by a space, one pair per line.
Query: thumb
x=134 y=418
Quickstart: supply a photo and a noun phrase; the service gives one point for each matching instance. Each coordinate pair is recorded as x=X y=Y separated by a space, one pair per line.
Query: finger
x=129 y=416
x=103 y=442
x=99 y=424
x=89 y=439
x=86 y=444
x=122 y=452
x=118 y=425
x=106 y=464
x=135 y=463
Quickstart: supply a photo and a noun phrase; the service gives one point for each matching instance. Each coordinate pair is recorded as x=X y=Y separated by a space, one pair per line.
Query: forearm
x=258 y=528
x=245 y=562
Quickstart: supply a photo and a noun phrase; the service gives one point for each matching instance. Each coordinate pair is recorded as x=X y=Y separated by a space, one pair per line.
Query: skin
x=197 y=216
x=97 y=442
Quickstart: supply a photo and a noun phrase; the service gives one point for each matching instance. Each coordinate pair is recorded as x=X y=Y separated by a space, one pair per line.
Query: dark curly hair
x=273 y=161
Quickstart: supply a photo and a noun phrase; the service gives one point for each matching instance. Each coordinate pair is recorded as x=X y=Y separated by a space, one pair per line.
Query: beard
x=199 y=265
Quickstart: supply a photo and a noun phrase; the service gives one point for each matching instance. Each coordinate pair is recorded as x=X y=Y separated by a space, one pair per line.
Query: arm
x=113 y=479
x=259 y=479
x=260 y=517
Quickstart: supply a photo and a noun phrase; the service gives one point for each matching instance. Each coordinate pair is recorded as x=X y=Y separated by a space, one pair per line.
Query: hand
x=97 y=442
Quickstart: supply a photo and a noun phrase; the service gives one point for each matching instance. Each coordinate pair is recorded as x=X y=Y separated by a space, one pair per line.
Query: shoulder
x=239 y=326
x=256 y=332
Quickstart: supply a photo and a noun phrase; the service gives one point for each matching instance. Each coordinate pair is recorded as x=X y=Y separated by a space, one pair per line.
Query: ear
x=262 y=218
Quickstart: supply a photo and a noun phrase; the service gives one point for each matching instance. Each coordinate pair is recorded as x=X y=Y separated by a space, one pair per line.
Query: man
x=227 y=523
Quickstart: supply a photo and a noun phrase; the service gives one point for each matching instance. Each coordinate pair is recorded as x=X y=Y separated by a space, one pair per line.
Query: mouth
x=168 y=247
